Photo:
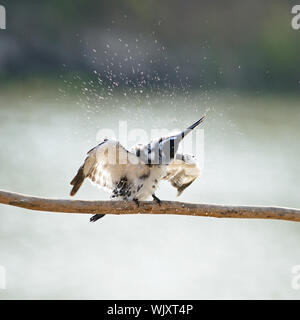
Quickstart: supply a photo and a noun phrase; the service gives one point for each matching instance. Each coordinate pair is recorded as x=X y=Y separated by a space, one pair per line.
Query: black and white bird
x=135 y=174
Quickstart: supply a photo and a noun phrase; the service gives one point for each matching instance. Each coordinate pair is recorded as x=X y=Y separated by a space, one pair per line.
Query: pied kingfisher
x=135 y=174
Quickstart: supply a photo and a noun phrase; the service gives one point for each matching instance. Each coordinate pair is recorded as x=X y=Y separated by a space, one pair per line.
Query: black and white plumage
x=135 y=174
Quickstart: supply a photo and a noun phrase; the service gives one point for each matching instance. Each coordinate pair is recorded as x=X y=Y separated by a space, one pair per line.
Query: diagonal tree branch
x=147 y=207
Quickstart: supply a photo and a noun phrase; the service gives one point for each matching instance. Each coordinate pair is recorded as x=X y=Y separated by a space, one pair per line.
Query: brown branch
x=147 y=207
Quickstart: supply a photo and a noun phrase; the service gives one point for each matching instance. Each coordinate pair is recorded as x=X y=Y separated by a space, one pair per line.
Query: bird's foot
x=136 y=202
x=157 y=200
x=96 y=217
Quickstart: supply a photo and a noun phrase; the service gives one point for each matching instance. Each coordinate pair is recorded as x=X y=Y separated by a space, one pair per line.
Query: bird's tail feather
x=77 y=181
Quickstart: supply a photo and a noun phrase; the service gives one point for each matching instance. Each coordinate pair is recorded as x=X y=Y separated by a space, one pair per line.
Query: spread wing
x=182 y=172
x=106 y=164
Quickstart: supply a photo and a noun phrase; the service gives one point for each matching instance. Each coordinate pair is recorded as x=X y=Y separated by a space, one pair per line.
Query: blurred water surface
x=251 y=157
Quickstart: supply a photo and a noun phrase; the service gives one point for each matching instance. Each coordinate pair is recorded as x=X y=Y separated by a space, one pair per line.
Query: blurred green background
x=232 y=44
x=71 y=68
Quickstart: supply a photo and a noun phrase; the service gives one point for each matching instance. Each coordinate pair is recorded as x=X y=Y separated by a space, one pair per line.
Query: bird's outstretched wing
x=106 y=164
x=182 y=171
